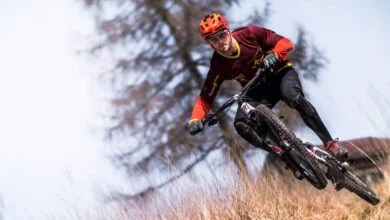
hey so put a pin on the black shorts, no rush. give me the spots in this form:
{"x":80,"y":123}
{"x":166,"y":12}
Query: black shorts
{"x":284,"y":85}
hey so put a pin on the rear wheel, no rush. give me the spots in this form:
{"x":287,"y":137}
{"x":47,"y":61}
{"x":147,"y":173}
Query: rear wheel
{"x":298,"y":154}
{"x":346,"y":179}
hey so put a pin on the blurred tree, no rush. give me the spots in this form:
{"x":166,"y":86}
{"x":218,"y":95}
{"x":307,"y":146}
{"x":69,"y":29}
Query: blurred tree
{"x":160,"y":63}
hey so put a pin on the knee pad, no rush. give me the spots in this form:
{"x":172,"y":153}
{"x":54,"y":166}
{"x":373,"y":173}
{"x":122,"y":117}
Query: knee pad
{"x":292,"y":98}
{"x":302,"y":105}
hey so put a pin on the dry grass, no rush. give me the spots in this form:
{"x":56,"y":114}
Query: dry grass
{"x":267,"y":198}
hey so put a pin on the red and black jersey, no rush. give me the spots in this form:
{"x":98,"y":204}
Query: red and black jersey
{"x":253,"y":42}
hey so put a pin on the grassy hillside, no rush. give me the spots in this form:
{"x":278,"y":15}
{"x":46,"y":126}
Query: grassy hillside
{"x":267,"y":198}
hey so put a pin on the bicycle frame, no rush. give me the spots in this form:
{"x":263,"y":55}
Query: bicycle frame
{"x":211,"y":119}
{"x":316,"y":151}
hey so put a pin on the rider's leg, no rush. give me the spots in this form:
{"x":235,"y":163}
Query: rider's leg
{"x":291,"y":92}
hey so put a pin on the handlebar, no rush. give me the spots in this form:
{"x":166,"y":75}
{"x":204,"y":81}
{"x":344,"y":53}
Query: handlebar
{"x":213,"y":118}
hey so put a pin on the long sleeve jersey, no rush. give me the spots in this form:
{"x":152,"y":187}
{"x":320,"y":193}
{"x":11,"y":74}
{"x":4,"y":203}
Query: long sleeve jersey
{"x":253,"y":42}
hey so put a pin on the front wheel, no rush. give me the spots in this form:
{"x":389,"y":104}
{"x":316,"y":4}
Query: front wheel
{"x":311,"y":174}
{"x":298,"y":154}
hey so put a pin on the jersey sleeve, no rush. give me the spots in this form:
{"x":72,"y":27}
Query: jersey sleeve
{"x":269,"y":40}
{"x":207,"y":95}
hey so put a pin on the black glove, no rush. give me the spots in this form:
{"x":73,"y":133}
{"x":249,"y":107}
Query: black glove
{"x":270,"y":61}
{"x":195,"y":126}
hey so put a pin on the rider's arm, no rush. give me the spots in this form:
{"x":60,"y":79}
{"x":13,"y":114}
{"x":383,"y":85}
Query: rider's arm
{"x":207,"y":95}
{"x":201,"y":108}
{"x":270,"y":40}
{"x":282,"y":48}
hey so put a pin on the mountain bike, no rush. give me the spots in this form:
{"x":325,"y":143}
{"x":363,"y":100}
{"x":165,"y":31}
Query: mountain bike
{"x":280,"y":139}
{"x":313,"y":163}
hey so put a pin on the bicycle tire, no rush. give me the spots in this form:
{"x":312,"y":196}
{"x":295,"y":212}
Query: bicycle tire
{"x":354,"y":184}
{"x":301,"y":163}
{"x":319,"y":181}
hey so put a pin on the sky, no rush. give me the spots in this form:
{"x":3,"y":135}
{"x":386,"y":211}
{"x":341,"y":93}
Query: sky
{"x":353,"y":34}
{"x":50,"y":107}
{"x":48,"y":148}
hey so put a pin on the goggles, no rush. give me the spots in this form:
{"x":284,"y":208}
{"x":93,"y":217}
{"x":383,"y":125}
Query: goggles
{"x":223,"y":35}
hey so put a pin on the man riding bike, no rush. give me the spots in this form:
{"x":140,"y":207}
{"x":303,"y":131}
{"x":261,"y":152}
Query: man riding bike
{"x":237,"y":56}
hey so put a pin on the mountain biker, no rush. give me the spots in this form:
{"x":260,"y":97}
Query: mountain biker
{"x":237,"y":56}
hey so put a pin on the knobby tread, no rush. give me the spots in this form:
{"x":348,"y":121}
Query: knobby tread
{"x":273,"y":120}
{"x":362,"y":190}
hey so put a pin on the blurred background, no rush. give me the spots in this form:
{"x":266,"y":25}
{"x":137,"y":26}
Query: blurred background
{"x":96,"y":94}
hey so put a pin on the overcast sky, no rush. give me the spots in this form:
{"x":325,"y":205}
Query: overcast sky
{"x":49,"y":106}
{"x":47,"y":148}
{"x":354,"y":35}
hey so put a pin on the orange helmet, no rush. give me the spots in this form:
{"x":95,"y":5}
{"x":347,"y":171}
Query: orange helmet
{"x":212,"y":24}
